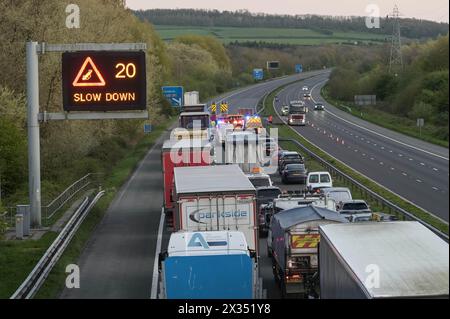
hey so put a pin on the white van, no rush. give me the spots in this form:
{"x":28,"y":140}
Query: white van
{"x":319,"y":180}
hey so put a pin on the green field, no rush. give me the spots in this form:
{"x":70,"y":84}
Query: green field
{"x":270,"y":35}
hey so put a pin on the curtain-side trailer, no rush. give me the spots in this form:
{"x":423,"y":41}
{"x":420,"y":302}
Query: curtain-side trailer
{"x":180,"y":153}
{"x":216,"y":198}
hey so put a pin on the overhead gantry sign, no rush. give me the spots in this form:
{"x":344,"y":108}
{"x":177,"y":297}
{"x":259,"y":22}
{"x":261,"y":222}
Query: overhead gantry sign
{"x":104,"y":81}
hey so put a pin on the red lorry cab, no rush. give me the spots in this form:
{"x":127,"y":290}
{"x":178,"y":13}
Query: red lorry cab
{"x":177,"y":153}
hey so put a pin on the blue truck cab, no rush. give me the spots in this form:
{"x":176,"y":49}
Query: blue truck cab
{"x":209,"y":265}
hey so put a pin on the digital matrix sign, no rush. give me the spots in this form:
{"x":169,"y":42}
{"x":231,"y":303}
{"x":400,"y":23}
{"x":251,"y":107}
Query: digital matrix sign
{"x":104,"y":81}
{"x":273,"y":64}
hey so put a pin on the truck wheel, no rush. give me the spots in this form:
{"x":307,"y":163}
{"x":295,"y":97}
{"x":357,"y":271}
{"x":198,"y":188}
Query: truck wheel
{"x":263,"y":233}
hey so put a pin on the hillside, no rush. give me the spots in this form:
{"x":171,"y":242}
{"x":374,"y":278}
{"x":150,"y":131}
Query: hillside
{"x":285,"y":36}
{"x":411,"y":28}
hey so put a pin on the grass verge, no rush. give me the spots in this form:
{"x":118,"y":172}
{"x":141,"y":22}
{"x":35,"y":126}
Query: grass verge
{"x":395,"y":123}
{"x":287,"y":132}
{"x":18,"y":258}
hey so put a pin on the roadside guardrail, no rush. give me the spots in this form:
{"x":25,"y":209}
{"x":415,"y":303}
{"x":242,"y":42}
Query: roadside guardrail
{"x":40,"y":272}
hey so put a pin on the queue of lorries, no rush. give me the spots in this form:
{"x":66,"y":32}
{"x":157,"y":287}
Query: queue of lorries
{"x":322,"y":242}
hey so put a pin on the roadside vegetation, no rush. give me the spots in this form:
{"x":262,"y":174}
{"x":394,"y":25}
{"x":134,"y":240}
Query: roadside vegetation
{"x":17,"y":258}
{"x":420,"y":90}
{"x":72,"y":149}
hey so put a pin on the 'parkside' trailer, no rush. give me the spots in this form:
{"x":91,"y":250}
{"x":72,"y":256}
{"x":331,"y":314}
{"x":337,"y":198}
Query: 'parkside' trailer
{"x":209,"y":265}
{"x":215,"y":198}
{"x":382,"y":260}
{"x":180,"y":153}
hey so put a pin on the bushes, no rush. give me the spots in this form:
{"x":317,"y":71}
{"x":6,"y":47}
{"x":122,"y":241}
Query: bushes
{"x":419,"y":91}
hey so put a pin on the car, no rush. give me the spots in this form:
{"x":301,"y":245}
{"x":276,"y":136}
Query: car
{"x":355,"y":210}
{"x":289,"y":158}
{"x":338,"y":194}
{"x":294,"y":173}
{"x":285,"y":110}
{"x":307,"y":96}
{"x":319,"y":107}
{"x":259,"y":180}
{"x":319,"y":180}
{"x":305,"y":88}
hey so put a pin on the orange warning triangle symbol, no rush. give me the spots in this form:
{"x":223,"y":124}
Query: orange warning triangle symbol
{"x":89,"y":75}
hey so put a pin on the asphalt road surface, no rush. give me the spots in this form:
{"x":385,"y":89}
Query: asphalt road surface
{"x":414,"y":169}
{"x":118,"y":260}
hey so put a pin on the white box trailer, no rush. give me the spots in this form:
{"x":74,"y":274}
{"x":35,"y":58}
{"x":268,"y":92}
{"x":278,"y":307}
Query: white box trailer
{"x":382,"y":260}
{"x":216,"y":198}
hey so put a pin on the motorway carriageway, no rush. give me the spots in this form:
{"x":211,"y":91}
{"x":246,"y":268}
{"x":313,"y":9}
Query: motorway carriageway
{"x":120,"y":259}
{"x":411,"y":168}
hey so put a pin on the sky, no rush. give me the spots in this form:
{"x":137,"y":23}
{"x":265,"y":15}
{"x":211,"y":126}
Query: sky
{"x":436,"y":10}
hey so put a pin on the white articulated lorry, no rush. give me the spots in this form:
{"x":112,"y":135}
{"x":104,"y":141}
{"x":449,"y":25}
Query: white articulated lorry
{"x":382,"y":260}
{"x":215,"y":198}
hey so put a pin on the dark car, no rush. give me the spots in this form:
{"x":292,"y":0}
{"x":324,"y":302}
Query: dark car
{"x":294,"y":173}
{"x":264,"y":198}
{"x":319,"y":107}
{"x":289,"y":158}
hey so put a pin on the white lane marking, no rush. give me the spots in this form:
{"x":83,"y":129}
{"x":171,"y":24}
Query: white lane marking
{"x":435,"y":188}
{"x":404,"y":174}
{"x":418,"y":181}
{"x":435,"y":169}
{"x":381,"y":163}
{"x":392,"y":169}
{"x":411,"y":159}
{"x":376,"y":133}
{"x":156,"y":261}
{"x":423,"y":164}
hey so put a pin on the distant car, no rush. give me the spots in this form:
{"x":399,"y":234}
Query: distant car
{"x":319,"y":180}
{"x":260,"y":180}
{"x":338,"y":194}
{"x":355,"y":210}
{"x":294,"y":173}
{"x":289,"y":158}
{"x":319,"y":107}
{"x":307,"y":96}
{"x":285,"y":110}
{"x":305,"y":88}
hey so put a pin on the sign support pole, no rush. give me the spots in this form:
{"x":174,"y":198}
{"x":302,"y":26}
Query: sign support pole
{"x":34,"y":162}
